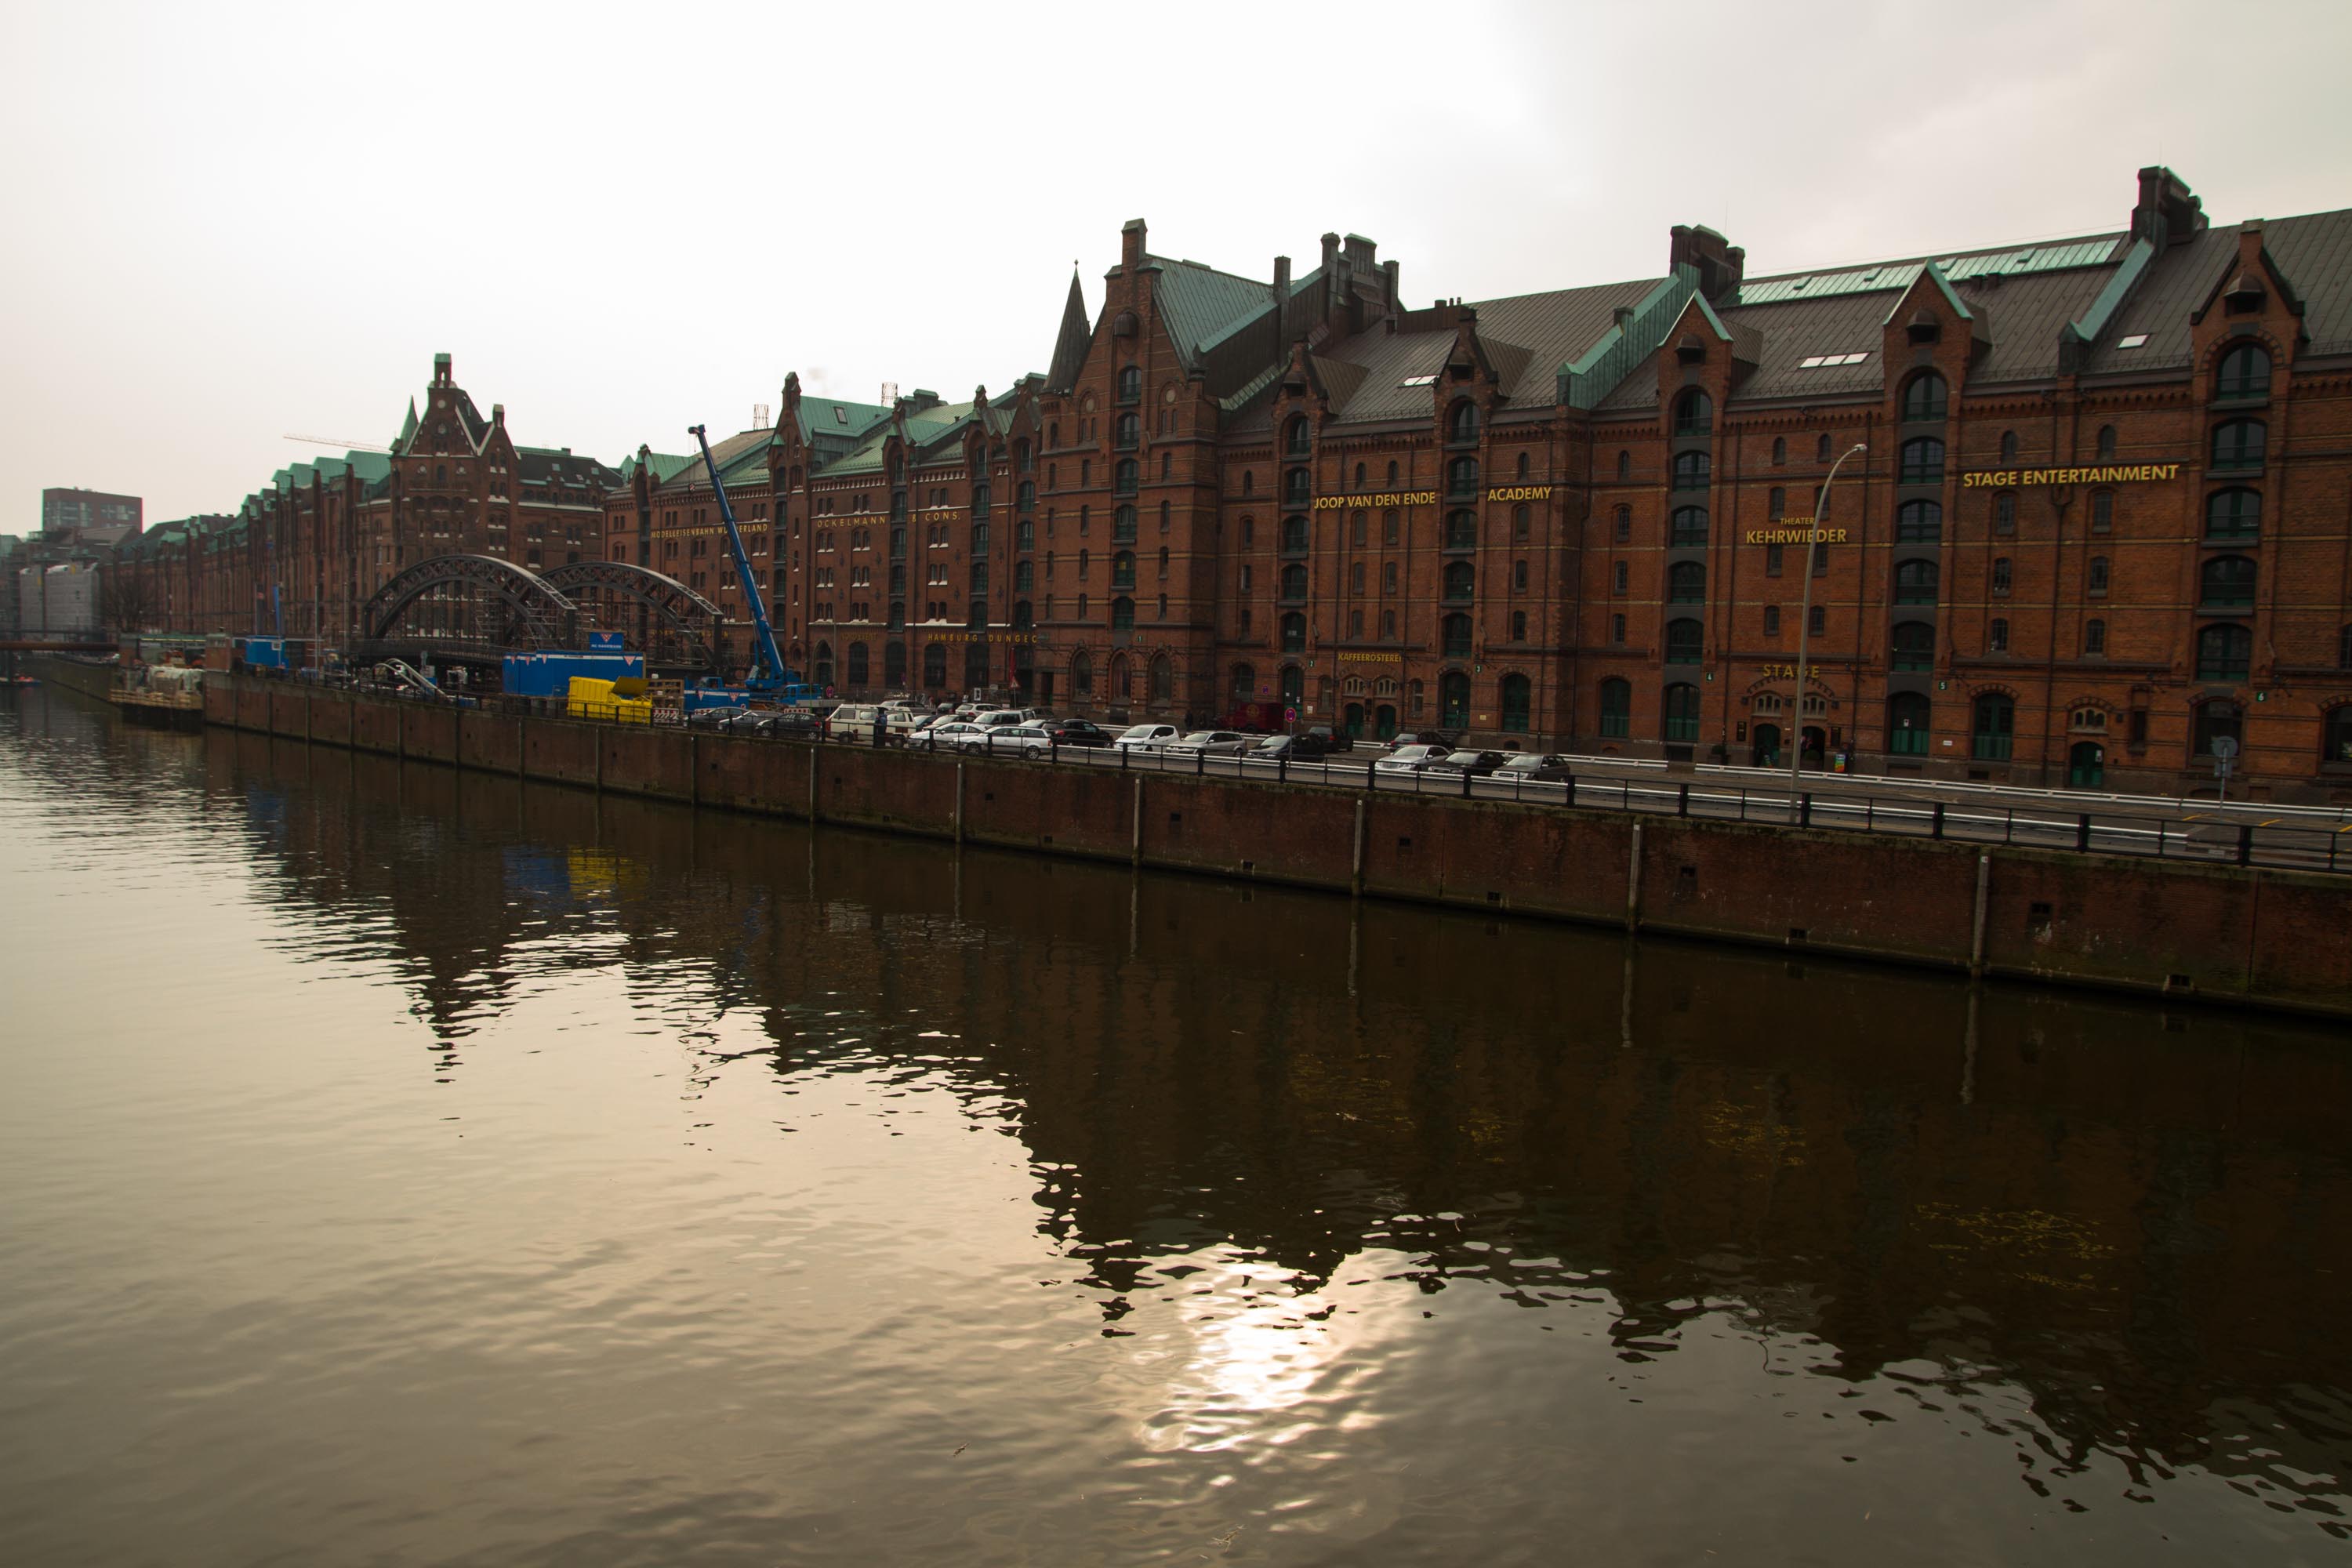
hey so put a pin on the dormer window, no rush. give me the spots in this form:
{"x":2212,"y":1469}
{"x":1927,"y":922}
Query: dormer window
{"x":1690,"y":351}
{"x":2245,"y":295}
{"x":1925,"y":327}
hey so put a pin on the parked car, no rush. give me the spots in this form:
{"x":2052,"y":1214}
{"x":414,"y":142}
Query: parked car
{"x":1410,"y":758}
{"x":1211,"y":743}
{"x":950,"y":735}
{"x":1534,"y":765}
{"x":1307,"y":748}
{"x":1331,"y":740}
{"x":710,"y":717}
{"x":997,"y":717}
{"x":1016,"y":740}
{"x":1477,"y":765}
{"x":1416,"y":738}
{"x":852,"y":721}
{"x":1147,"y":737}
{"x":1076,"y":732}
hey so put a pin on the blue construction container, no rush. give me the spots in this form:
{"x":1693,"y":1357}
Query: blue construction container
{"x":550,"y":674}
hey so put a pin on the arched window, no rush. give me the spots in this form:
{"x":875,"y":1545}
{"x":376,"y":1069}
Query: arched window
{"x":1163,"y":677}
{"x":1244,"y":682}
{"x":1293,"y":585}
{"x":2224,"y":652}
{"x":1164,"y":564}
{"x":2095,"y":576}
{"x":1776,"y":505}
{"x":1687,"y":529}
{"x":824,"y":664}
{"x":1691,"y":470}
{"x":2233,"y":513}
{"x":934,"y":665}
{"x":1296,"y":437}
{"x":1461,"y":529}
{"x":1925,"y":397}
{"x":1780,"y":450}
{"x":1912,"y":646}
{"x":1297,"y":487}
{"x":1453,"y":636}
{"x":1462,"y":476}
{"x":1462,"y":421}
{"x":1519,"y":694}
{"x":1294,"y":686}
{"x":2106,"y":443}
{"x":1523,"y":465}
{"x":1519,"y":519}
{"x":1122,"y":614}
{"x":1122,"y":569}
{"x":1461,"y":580}
{"x":2007,"y":446}
{"x":1922,"y":461}
{"x":2238,"y":444}
{"x":1693,"y":414}
{"x":1821,"y":448}
{"x":1127,"y":432}
{"x":1919,"y":522}
{"x":1994,"y":722}
{"x":2336,"y":735}
{"x":1687,"y":583}
{"x":1392,"y":473}
{"x":1294,"y":535}
{"x":1907,"y":724}
{"x":1682,"y":711}
{"x":2246,"y":372}
{"x":1916,"y":582}
{"x":1624,"y":524}
{"x":1616,"y":707}
{"x":1024,"y":617}
{"x":1624,"y":466}
{"x":2214,"y":721}
{"x":1293,"y":632}
{"x":1685,"y":641}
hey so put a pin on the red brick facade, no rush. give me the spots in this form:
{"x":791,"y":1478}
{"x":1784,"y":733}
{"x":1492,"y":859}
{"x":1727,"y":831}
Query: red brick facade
{"x":2101,"y":519}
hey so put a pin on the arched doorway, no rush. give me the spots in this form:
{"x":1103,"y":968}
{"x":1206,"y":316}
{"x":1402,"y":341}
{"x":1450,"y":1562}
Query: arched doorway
{"x":1816,"y":744}
{"x":2086,"y":765}
{"x":1453,"y":701}
{"x":1384,"y":721}
{"x":1352,"y":720}
{"x":1767,"y":753}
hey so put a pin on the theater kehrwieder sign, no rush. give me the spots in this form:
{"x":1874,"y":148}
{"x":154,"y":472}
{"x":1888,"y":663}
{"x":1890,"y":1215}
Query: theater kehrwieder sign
{"x":2022,"y":479}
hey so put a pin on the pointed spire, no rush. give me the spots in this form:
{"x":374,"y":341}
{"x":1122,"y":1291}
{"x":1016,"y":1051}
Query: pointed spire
{"x":408,"y":430}
{"x":1070,"y":347}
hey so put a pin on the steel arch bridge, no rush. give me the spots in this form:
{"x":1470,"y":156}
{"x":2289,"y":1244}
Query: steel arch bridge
{"x":474,"y":599}
{"x":675,"y":626}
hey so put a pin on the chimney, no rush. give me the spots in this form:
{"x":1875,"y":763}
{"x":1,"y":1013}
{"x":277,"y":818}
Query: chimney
{"x":1331,"y":252}
{"x":498,"y":414}
{"x":1281,"y":281}
{"x":2169,"y":213}
{"x":1360,"y":253}
{"x":1720,"y":266}
{"x":1130,"y":245}
{"x":1388,"y":288}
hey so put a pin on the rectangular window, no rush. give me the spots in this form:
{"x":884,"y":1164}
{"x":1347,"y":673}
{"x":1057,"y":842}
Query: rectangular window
{"x":1818,"y":623}
{"x":1821,"y":560}
{"x":1245,"y":577}
{"x":1389,"y":578}
{"x":1773,"y":560}
{"x":2103,"y":511}
{"x":1617,"y":579}
{"x":2000,"y":575}
{"x":1617,"y":630}
{"x":1519,"y":576}
{"x":1997,"y":636}
{"x":1771,"y":620}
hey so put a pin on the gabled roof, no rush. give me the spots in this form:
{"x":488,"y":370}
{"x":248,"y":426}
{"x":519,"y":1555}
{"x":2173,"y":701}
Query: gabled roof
{"x":729,"y":454}
{"x":1200,"y":304}
{"x":663,"y":463}
{"x":553,"y":466}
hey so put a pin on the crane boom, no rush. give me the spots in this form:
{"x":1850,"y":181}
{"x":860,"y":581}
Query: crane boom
{"x":771,"y":675}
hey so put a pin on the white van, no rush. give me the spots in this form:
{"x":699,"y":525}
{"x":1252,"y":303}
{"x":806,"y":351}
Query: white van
{"x":998,"y":718}
{"x":854,"y":722}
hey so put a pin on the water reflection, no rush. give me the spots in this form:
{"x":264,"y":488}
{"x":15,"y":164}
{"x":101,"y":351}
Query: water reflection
{"x":1330,"y":1233}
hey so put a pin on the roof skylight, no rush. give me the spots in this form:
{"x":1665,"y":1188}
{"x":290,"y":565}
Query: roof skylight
{"x":1822,"y":361}
{"x":2133,"y":342}
{"x":1429,"y":380}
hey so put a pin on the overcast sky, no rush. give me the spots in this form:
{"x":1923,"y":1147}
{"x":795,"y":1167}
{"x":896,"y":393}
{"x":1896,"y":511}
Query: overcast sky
{"x":230,"y":222}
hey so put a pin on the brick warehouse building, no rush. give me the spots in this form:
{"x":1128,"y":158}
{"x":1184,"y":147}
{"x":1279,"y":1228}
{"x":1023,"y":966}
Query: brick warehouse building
{"x":2103,"y":518}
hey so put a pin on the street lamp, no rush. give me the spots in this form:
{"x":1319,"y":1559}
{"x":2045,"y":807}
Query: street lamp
{"x":1805,"y":622}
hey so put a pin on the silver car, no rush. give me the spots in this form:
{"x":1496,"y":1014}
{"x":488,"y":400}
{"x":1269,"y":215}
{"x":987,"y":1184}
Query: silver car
{"x":1410,"y":759}
{"x":1210,"y":742}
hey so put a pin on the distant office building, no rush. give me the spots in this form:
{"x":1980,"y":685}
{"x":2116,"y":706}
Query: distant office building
{"x":70,"y":511}
{"x":62,"y":599}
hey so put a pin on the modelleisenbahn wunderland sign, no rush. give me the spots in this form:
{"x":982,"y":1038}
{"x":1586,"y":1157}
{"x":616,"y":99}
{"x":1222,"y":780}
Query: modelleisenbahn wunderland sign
{"x":2020,"y":478}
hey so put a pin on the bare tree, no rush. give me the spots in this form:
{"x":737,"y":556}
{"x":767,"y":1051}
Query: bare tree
{"x":126,"y":601}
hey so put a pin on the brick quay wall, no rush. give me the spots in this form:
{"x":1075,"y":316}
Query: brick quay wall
{"x":2273,"y":938}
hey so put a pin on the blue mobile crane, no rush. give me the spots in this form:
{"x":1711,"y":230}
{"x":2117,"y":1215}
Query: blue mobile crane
{"x":768,"y":681}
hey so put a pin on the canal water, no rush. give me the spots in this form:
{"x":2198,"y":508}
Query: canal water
{"x":404,"y":1166}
